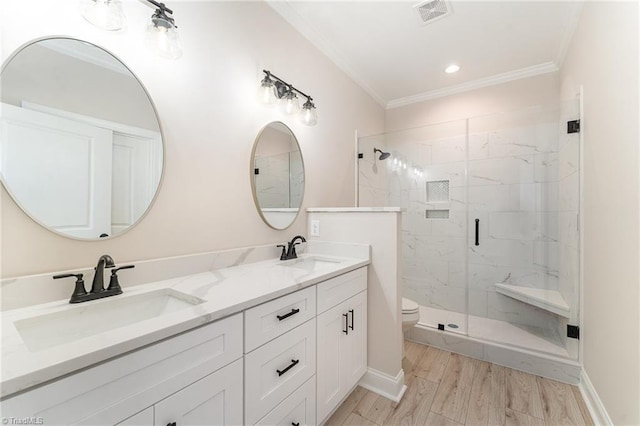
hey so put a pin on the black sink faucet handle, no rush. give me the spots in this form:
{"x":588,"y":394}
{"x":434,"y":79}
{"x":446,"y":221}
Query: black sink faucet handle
{"x":79,"y":289}
{"x":283,"y":255}
{"x":114,"y":284}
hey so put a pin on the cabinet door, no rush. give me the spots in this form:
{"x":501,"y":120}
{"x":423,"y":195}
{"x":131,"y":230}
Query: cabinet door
{"x":354,"y":352}
{"x":213,"y":400}
{"x":342,"y":347}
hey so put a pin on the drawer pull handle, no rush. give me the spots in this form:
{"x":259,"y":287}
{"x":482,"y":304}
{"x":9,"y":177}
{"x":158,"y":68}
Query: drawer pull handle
{"x":351,"y":312}
{"x":294,"y":362}
{"x":293,"y":312}
{"x":295,"y":424}
{"x":346,"y":324}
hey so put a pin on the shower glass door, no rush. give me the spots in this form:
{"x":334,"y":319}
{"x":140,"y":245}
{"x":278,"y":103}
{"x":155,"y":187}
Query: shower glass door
{"x":519,"y":180}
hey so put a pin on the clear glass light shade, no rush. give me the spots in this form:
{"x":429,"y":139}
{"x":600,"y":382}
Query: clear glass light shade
{"x":105,"y":14}
{"x":309,"y":115}
{"x":290,"y":104}
{"x":267,"y":93}
{"x":163,"y":39}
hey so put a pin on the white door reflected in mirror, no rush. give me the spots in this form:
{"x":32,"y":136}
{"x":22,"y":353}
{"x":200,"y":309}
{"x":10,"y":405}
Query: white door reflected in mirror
{"x":81,"y":150}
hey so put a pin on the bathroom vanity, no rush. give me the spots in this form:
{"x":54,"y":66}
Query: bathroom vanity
{"x":268,"y":342}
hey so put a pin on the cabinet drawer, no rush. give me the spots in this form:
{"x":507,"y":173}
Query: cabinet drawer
{"x":272,"y":319}
{"x":276,"y":369}
{"x":143,"y":418}
{"x":119,"y":388}
{"x":340,"y":288}
{"x":299,"y":408}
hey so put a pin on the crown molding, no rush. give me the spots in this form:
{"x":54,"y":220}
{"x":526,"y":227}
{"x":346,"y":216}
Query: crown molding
{"x":306,"y":30}
{"x":88,"y":53}
{"x":534,"y":70}
{"x":570,"y":29}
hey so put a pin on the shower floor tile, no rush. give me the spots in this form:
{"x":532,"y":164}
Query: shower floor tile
{"x":537,"y":339}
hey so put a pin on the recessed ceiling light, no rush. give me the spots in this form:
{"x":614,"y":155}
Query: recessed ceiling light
{"x":452,"y":68}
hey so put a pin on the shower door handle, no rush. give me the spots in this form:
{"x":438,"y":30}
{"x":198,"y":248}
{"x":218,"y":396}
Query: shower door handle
{"x":477,"y":232}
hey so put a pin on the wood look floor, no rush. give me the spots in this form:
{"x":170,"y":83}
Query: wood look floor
{"x":448,"y":389}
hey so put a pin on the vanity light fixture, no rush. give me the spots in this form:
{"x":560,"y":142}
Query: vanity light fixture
{"x":105,"y":14}
{"x":273,"y":89}
{"x":162,"y":35}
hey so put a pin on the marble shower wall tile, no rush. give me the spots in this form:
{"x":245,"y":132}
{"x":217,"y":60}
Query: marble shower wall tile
{"x":502,"y":171}
{"x":373,"y":181}
{"x":513,"y":225}
{"x":546,"y":167}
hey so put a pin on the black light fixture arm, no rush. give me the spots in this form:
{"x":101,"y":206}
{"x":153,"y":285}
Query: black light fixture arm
{"x":161,"y":6}
{"x":162,"y":14}
{"x":269,"y":74}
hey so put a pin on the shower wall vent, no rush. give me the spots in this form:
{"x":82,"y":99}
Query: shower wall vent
{"x":432,"y":10}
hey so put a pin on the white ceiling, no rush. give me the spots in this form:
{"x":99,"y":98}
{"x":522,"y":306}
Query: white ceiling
{"x":384,"y":47}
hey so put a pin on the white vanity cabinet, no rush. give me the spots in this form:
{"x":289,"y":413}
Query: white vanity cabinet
{"x":123,"y":389}
{"x":288,"y":361}
{"x":342,"y":339}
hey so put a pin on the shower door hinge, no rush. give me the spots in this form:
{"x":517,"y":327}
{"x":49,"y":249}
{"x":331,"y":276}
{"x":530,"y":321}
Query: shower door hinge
{"x":573,"y":331}
{"x":360,"y":155}
{"x":573,"y":126}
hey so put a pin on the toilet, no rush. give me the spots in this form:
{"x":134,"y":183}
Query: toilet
{"x":410,"y":314}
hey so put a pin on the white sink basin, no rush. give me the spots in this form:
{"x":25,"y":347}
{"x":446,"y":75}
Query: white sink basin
{"x":310,"y":263}
{"x":92,"y":318}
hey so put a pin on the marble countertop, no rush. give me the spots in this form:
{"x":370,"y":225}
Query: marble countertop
{"x":223,"y":292}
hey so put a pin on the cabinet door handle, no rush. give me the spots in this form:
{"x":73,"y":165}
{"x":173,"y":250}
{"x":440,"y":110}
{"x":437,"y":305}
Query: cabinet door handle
{"x":346,"y":324}
{"x":294,"y":362}
{"x":351,"y":312}
{"x":172,"y":424}
{"x":295,"y":424}
{"x":477,"y":232}
{"x":293,"y":312}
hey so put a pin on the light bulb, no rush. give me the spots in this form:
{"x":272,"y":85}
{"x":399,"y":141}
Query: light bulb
{"x":308,"y":115}
{"x":162,"y":36}
{"x":290,"y":103}
{"x":105,"y":14}
{"x":267,"y":92}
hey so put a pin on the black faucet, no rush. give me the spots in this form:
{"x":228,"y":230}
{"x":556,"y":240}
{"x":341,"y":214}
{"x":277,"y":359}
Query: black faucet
{"x":97,"y":286}
{"x":105,"y":261}
{"x":290,"y":253}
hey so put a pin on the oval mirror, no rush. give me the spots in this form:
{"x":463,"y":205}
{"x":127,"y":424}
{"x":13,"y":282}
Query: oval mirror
{"x":277,"y":175}
{"x":81,"y":149}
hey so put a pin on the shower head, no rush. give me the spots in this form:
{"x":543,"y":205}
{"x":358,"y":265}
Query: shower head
{"x":383,"y":155}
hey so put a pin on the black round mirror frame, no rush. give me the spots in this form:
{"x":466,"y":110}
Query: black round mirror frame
{"x":252,"y":174}
{"x":8,"y":61}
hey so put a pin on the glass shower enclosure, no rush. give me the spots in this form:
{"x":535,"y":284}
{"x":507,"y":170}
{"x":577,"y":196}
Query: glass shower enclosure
{"x":490,"y":223}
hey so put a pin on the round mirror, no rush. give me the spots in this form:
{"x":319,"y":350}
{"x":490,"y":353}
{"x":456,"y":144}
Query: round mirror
{"x":81,"y":148}
{"x":277,"y":175}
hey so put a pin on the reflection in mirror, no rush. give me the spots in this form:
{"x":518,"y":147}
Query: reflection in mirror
{"x":278,"y":175}
{"x":81,"y":149}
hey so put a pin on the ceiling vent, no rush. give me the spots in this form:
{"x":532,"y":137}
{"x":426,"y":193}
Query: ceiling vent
{"x":432,"y":10}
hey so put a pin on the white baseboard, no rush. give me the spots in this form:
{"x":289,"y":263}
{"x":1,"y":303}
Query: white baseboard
{"x":592,"y":400}
{"x":390,"y":387}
